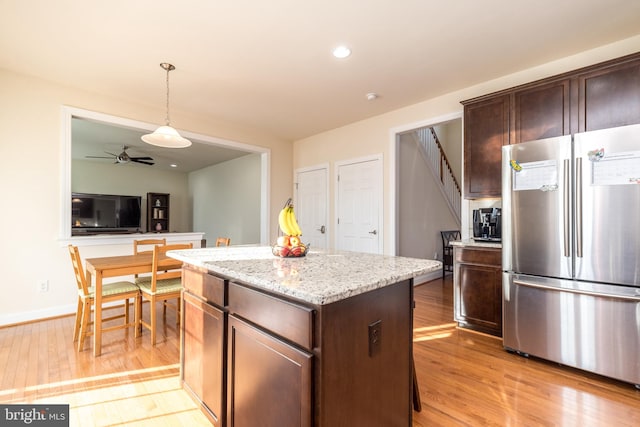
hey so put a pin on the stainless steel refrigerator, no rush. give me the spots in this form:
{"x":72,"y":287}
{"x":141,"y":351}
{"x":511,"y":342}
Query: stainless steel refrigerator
{"x":571,"y":250}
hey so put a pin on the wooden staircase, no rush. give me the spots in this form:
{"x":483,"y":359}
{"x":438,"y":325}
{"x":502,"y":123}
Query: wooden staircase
{"x":433,"y":154}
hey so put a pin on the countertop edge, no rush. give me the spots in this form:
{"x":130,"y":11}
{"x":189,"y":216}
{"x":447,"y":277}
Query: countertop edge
{"x":329,"y":290}
{"x":472,"y":243}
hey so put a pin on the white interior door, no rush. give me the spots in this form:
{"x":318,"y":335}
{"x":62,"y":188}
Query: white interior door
{"x":359,"y":205}
{"x":311,"y":204}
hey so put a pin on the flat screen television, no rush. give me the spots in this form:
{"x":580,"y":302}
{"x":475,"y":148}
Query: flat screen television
{"x":104,"y":213}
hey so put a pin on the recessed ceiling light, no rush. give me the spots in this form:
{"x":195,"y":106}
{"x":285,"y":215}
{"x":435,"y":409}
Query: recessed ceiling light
{"x":341,"y":52}
{"x":173,"y":165}
{"x":372,"y":96}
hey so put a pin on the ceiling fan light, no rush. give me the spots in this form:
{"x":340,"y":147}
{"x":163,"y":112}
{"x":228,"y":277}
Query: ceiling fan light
{"x":166,"y":136}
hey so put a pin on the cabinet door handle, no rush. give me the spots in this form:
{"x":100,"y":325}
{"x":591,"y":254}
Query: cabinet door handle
{"x":578,"y":199}
{"x":322,"y":229}
{"x":374,"y":232}
{"x":566,"y":205}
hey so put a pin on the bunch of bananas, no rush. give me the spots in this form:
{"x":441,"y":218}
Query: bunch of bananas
{"x":289,"y":244}
{"x":287,"y":220}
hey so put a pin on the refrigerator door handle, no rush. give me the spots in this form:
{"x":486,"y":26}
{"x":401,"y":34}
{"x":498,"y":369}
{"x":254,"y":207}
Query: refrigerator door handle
{"x":576,"y":291}
{"x":579,"y":207}
{"x":566,"y":206}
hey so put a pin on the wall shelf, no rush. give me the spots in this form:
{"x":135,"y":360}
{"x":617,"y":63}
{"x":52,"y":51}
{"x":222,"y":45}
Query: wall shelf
{"x":158,"y":212}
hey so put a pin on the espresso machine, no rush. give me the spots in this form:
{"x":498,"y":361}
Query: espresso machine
{"x":487,"y":224}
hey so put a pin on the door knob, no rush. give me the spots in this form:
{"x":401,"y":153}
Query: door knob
{"x":374,"y":232}
{"x":322,"y":229}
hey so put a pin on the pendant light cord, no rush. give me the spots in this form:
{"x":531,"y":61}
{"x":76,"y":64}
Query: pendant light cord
{"x":167,"y":67}
{"x":167,"y":118}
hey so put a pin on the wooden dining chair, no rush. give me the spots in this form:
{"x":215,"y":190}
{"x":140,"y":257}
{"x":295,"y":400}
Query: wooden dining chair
{"x":223,"y":241}
{"x":118,"y":291}
{"x":162,"y":286}
{"x":141,"y":246}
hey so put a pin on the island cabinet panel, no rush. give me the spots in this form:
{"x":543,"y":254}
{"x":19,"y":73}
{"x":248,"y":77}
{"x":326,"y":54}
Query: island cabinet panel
{"x":292,"y":321}
{"x":486,"y":130}
{"x":477,"y":287}
{"x":269,"y":380}
{"x":204,"y":346}
{"x":210,"y":288}
{"x":363,"y":375}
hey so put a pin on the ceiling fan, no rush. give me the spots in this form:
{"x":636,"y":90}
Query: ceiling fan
{"x":124,"y":157}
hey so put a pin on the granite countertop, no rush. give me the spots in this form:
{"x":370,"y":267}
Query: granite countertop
{"x":321,"y":277}
{"x":477,"y":244}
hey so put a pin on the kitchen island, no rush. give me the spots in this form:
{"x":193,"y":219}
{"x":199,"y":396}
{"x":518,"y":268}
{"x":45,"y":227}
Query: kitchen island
{"x":322,"y":340}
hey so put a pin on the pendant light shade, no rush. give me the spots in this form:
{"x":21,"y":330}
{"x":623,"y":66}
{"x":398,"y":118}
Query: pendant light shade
{"x":166,"y":136}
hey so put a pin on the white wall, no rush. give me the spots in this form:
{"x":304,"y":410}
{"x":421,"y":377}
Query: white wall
{"x":217,"y":209}
{"x":32,"y":177}
{"x":30,"y":146}
{"x":422,"y":209}
{"x":374,"y":135}
{"x":136,"y":180}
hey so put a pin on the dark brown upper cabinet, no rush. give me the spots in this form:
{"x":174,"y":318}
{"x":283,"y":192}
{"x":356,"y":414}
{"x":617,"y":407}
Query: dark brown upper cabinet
{"x":600,"y":96}
{"x":541,"y":112}
{"x":609,"y":97}
{"x":486,"y":130}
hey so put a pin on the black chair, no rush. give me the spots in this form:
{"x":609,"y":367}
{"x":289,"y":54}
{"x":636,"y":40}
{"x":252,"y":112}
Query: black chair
{"x":447,"y":250}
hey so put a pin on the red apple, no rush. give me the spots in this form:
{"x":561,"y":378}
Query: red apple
{"x":297,"y":250}
{"x":283,"y":251}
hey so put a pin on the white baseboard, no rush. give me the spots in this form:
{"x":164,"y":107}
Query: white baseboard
{"x":433,"y":275}
{"x":35,"y":315}
{"x":30,"y":316}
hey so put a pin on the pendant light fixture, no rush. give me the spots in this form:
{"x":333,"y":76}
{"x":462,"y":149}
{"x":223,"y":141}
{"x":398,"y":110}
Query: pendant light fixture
{"x":166,"y":136}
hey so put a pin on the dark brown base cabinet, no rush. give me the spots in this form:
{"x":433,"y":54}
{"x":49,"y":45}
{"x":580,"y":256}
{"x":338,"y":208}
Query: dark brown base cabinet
{"x":477,"y":287}
{"x":204,"y":343}
{"x":269,"y":380}
{"x":285,"y":363}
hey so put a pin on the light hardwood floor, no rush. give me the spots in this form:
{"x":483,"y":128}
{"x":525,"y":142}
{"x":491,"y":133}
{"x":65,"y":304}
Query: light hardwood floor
{"x":465,"y":378}
{"x":130,"y":384}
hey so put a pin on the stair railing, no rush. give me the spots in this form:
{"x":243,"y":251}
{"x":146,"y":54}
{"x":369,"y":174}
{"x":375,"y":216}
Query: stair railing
{"x":435,"y":156}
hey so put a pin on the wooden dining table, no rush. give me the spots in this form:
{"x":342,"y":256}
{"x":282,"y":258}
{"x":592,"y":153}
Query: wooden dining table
{"x":117,"y":266}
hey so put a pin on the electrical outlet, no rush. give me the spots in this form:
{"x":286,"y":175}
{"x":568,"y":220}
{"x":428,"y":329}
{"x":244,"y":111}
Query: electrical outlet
{"x":43,"y":286}
{"x":435,"y":255}
{"x":375,"y":337}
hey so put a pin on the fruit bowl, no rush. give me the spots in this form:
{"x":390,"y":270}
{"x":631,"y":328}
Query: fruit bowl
{"x":289,"y":252}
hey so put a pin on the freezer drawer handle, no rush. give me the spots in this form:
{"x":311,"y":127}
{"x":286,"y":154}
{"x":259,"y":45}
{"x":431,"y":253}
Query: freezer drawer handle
{"x":576,"y":291}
